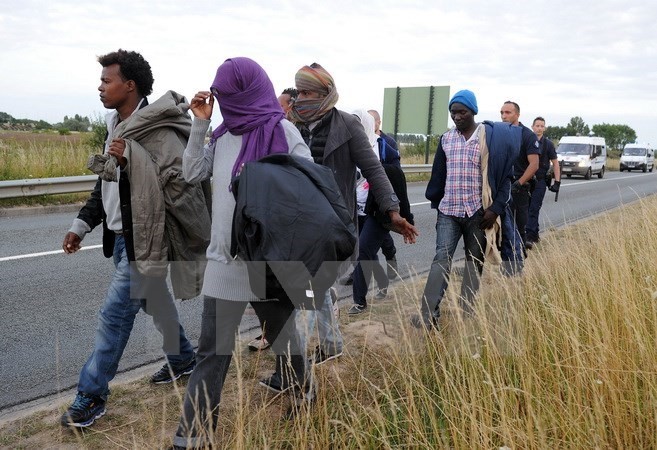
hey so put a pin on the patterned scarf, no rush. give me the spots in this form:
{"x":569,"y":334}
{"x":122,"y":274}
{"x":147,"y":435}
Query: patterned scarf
{"x":313,"y":78}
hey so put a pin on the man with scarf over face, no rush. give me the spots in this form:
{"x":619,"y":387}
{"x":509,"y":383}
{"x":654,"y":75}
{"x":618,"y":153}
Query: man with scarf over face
{"x":253,"y":126}
{"x":337,"y":140}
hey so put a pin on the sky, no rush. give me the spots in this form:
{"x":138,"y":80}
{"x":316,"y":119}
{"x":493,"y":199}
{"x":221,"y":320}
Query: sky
{"x":556,"y":59}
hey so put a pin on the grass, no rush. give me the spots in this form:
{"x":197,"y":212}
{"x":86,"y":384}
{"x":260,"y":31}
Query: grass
{"x":561,"y":357}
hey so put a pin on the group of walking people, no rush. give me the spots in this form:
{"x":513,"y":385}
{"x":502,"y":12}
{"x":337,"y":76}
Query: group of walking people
{"x":166,"y":200}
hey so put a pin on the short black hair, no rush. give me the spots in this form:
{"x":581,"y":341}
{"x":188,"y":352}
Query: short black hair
{"x":515,"y":105}
{"x":133,"y":67}
{"x":538,"y":118}
{"x":293,"y":93}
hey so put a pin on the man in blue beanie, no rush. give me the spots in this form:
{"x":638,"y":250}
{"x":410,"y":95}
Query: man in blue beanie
{"x":469,"y":188}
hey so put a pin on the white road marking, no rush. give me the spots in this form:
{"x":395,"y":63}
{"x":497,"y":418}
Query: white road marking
{"x":36,"y":255}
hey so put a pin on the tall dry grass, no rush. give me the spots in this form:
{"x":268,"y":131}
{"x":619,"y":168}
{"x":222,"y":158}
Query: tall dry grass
{"x":42,"y":155}
{"x":564,"y":356}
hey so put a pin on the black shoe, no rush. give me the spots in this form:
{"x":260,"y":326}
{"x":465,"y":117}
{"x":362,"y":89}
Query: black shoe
{"x":302,"y":399}
{"x":392,"y":268}
{"x":529,"y":245}
{"x":381,"y":294}
{"x":84,"y":411}
{"x":275,"y":384}
{"x":167,"y":373}
{"x":319,"y":357}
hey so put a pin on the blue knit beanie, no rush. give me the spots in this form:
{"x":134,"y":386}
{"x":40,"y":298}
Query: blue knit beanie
{"x":467,"y":98}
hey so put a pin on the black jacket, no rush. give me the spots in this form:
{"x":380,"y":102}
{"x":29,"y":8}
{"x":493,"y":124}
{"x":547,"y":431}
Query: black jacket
{"x":291,"y":216}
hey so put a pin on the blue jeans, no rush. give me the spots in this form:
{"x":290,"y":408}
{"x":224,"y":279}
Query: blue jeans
{"x":129,"y":292}
{"x":449,"y":230}
{"x":330,"y":337}
{"x":535,"y":204}
{"x":369,"y":242}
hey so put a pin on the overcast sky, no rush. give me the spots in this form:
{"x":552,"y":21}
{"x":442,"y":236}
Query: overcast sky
{"x":557,"y":59}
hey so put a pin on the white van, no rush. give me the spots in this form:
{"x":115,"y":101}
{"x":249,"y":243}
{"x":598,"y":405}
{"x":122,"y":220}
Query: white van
{"x":637,"y":157}
{"x":582,"y":155}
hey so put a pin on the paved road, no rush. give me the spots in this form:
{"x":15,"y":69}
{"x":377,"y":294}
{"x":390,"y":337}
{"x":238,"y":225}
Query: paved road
{"x":49,"y":302}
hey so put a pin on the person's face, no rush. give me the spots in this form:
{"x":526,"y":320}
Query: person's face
{"x":114,"y":91}
{"x":286,"y":102}
{"x":462,"y":116}
{"x":539,"y":128}
{"x":377,"y":122}
{"x":307,"y":95}
{"x":509,"y":114}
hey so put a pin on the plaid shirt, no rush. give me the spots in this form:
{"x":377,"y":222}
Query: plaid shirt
{"x":463,"y":184}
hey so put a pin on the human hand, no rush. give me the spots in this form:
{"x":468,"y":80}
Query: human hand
{"x":400,"y":225}
{"x":488,"y":220}
{"x":555,"y":186}
{"x":516,"y":187}
{"x":116,"y":149}
{"x":71,"y":242}
{"x":202,"y":104}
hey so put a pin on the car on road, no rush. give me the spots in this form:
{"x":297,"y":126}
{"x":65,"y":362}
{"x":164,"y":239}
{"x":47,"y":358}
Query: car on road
{"x":637,"y":157}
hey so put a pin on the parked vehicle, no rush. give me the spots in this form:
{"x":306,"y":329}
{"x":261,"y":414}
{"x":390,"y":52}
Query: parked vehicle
{"x":582,"y":155}
{"x":637,"y":157}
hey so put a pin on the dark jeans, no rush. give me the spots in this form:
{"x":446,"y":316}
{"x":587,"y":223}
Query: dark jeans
{"x":511,"y":247}
{"x":219,"y":324}
{"x":535,"y":204}
{"x":369,"y":242}
{"x":449,"y":230}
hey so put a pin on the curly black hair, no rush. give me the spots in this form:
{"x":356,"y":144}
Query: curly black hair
{"x":292,"y":92}
{"x":133,"y":67}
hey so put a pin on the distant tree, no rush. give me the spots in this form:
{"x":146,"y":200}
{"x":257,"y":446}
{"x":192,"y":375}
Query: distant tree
{"x":616,"y":136}
{"x":577,"y":127}
{"x":555,"y":133}
{"x":96,"y":139}
{"x":75,"y":123}
{"x":4,"y":117}
{"x":43,"y":125}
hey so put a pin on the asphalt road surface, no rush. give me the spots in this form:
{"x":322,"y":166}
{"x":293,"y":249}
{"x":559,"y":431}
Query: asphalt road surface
{"x":49,"y":300}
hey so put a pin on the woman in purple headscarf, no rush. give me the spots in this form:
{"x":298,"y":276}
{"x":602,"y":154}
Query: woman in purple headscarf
{"x":253,"y":126}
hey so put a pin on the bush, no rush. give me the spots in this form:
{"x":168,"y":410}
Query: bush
{"x":64,"y":131}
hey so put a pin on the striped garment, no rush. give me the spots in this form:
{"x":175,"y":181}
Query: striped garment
{"x":463,"y":184}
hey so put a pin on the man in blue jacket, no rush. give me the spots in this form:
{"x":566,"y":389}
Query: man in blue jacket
{"x":469,"y":186}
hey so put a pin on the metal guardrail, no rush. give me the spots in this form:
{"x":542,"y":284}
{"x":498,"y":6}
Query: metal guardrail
{"x":85,"y":183}
{"x":47,"y":186}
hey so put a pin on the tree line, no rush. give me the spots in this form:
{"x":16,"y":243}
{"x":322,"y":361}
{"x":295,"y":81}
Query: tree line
{"x":75,"y":123}
{"x":616,"y":136}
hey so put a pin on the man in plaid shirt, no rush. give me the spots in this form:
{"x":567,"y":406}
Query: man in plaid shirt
{"x":460,"y":177}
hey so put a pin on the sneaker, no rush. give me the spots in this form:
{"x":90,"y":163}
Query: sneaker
{"x":84,"y":411}
{"x":258,"y":344}
{"x":392,"y":268}
{"x":167,"y":373}
{"x":319,"y":357}
{"x":529,"y":245}
{"x":275,"y":384}
{"x":381,"y":294}
{"x":356,"y":309}
{"x":334,"y":300}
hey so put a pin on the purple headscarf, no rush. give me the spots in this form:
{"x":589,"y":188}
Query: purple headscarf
{"x":249,"y":107}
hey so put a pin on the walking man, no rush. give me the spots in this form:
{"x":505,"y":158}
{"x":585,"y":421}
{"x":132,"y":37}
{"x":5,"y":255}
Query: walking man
{"x":143,"y":151}
{"x":548,"y":155}
{"x":469,"y":188}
